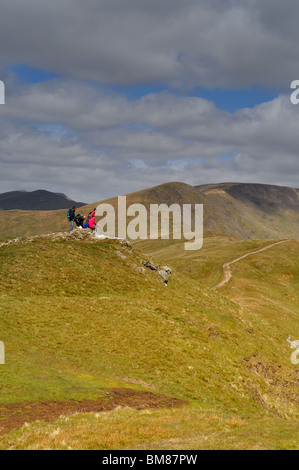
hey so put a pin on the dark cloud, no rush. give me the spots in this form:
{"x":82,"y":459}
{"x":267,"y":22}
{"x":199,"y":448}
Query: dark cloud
{"x":73,"y":135}
{"x":182,"y":44}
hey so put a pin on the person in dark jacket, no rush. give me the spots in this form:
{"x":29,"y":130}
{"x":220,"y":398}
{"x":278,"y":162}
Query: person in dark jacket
{"x":72,"y":217}
{"x":79,"y":219}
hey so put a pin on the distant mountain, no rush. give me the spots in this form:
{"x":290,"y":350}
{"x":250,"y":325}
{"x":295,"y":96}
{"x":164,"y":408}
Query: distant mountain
{"x":238,"y":210}
{"x":36,"y":201}
{"x":251,"y":210}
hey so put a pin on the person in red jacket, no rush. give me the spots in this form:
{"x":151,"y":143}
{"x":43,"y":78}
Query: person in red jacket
{"x":92,"y":223}
{"x":92,"y":214}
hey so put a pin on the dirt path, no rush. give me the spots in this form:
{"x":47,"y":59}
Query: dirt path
{"x":227,"y":266}
{"x":13,"y":416}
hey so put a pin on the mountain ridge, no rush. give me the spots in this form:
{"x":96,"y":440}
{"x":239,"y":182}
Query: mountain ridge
{"x":35,"y":200}
{"x":238,"y":210}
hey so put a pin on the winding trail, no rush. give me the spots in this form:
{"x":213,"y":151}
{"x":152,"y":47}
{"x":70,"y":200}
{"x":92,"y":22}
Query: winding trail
{"x":227,"y":266}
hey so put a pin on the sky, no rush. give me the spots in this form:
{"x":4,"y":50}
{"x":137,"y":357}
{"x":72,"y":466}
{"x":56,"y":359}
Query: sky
{"x":107,"y":97}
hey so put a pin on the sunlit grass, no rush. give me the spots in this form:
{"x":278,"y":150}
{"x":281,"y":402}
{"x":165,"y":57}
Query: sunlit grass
{"x":178,"y":429}
{"x":76,"y":318}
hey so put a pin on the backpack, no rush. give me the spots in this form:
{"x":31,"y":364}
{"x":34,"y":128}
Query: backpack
{"x":69,"y":213}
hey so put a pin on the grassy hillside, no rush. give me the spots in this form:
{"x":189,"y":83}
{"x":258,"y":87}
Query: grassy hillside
{"x":252,"y":210}
{"x":204,"y":265}
{"x":236,"y":210}
{"x":77,"y":318}
{"x":17,"y":223}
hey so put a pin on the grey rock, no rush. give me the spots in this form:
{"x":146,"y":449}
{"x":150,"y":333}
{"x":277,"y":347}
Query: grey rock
{"x":149,"y":264}
{"x":165,"y":275}
{"x":121,"y":255}
{"x":167,"y":269}
{"x":126,"y":243}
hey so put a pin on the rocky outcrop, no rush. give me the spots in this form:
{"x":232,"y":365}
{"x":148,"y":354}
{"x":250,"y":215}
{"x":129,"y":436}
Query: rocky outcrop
{"x":149,"y":264}
{"x":163,"y":271}
{"x":126,"y":243}
{"x":76,"y":235}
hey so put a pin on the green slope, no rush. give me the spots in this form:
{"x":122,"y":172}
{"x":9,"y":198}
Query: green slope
{"x":76,"y":317}
{"x":236,"y":210}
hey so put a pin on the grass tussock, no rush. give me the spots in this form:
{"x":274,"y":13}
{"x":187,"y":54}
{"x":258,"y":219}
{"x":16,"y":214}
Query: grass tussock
{"x":163,"y":429}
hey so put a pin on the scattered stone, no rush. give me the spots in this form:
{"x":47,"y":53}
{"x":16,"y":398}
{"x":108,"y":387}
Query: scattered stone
{"x":165,"y":268}
{"x":126,"y":243}
{"x":121,"y":255}
{"x":165,"y":275}
{"x":75,"y":235}
{"x":163,"y":271}
{"x":149,"y":264}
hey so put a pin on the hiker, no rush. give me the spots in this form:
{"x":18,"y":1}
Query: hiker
{"x":92,"y":214}
{"x":71,"y":215}
{"x":92,"y":223}
{"x":79,"y":219}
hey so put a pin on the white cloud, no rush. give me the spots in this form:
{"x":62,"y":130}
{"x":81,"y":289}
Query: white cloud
{"x":107,"y":144}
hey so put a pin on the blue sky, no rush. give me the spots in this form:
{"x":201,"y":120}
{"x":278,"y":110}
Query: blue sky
{"x":231,"y":100}
{"x":27,"y":74}
{"x":225,"y":99}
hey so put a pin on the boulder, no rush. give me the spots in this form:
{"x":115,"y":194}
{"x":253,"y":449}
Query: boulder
{"x":165,"y":268}
{"x":165,"y":274}
{"x":149,"y":264}
{"x":126,"y":243}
